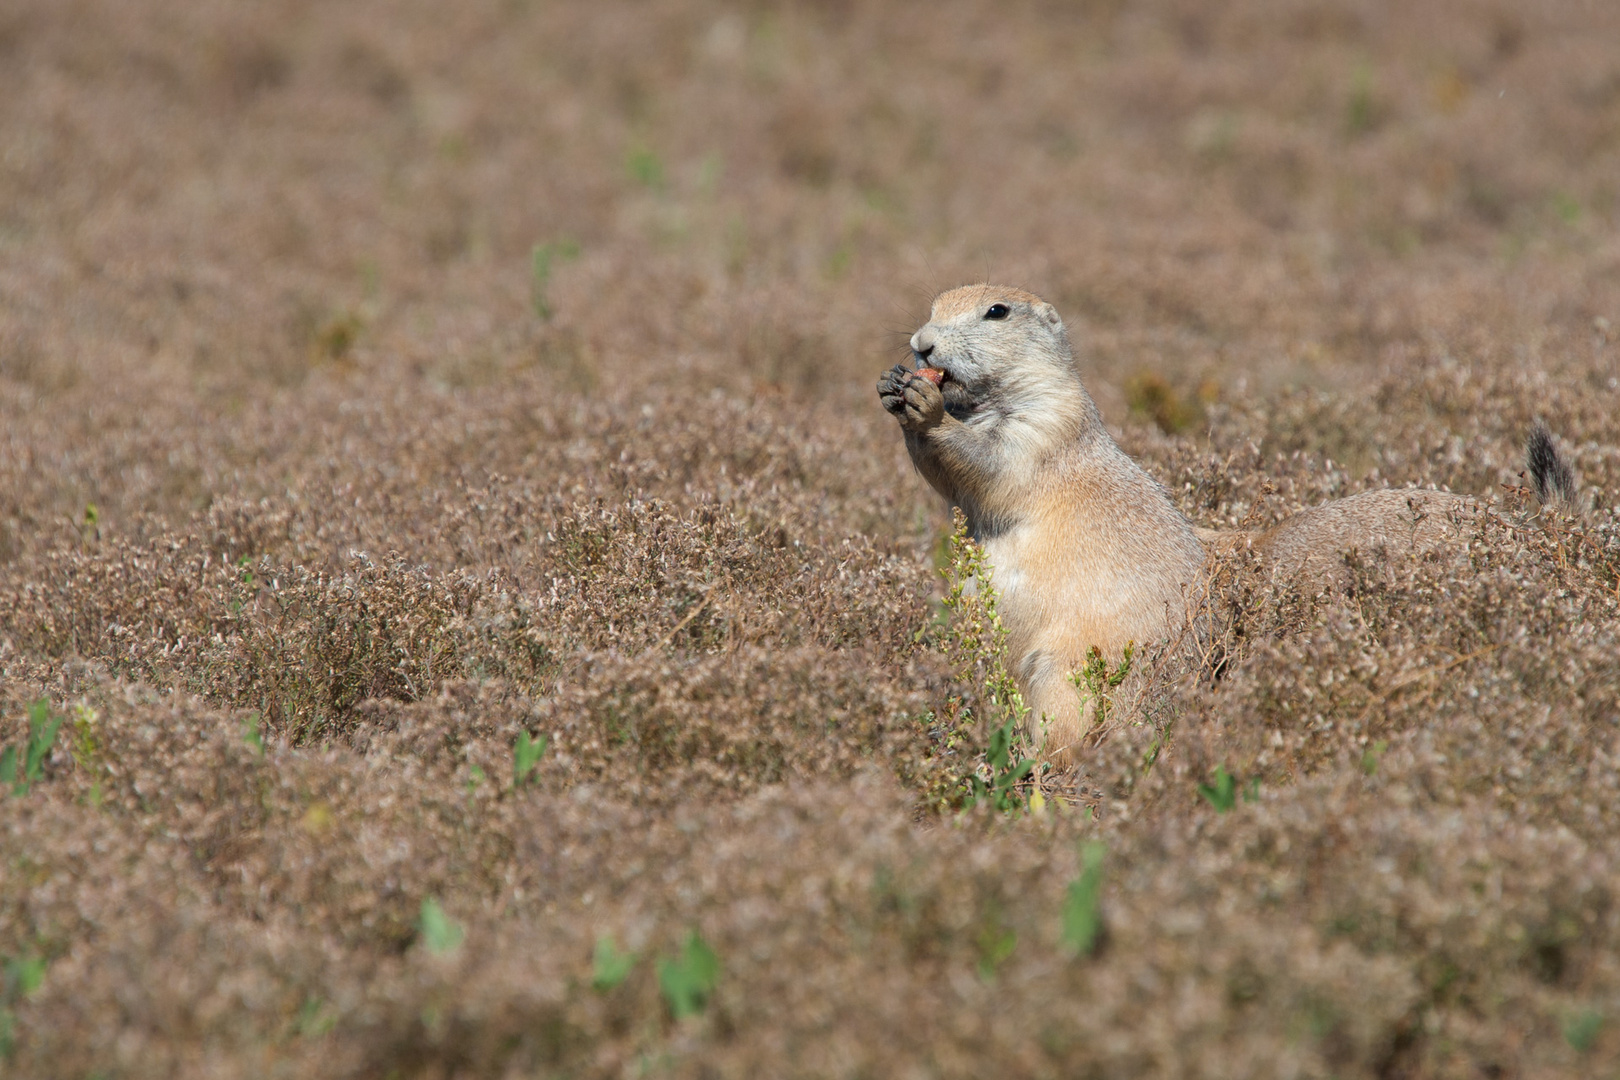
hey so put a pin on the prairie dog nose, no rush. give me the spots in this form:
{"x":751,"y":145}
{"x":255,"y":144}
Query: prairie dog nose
{"x":922,"y":342}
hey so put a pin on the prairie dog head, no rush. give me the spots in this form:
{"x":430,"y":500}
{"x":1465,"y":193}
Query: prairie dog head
{"x":1005,"y":355}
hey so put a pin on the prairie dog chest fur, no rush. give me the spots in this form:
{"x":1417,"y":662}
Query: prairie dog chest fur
{"x":1071,"y":576}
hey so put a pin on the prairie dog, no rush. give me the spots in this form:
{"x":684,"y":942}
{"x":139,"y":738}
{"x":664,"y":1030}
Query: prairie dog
{"x":1086,"y":548}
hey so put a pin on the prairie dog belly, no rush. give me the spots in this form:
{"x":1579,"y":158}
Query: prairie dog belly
{"x":1062,"y":594}
{"x":1016,"y":603}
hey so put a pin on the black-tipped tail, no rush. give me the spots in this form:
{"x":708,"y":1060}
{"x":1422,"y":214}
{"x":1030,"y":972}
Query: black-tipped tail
{"x":1550,"y":474}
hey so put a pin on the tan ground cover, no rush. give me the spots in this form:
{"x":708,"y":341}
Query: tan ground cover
{"x":384,"y":381}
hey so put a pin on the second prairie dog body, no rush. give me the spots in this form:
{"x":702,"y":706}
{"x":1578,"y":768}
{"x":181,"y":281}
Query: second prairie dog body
{"x":1086,"y":548}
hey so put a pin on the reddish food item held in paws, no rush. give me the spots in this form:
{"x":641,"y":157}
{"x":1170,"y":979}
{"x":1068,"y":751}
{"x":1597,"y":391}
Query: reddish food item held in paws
{"x":932,"y":374}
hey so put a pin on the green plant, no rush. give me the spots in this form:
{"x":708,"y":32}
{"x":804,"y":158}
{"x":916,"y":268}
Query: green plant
{"x":86,"y":748}
{"x":996,"y":942}
{"x":1006,"y":771}
{"x":1222,"y":794}
{"x":540,"y":259}
{"x":42,"y":727}
{"x":314,"y":1019}
{"x":336,"y":336}
{"x":24,"y":975}
{"x":689,"y":978}
{"x":526,"y":755}
{"x":976,"y":643}
{"x":1567,"y":207}
{"x":1096,"y":682}
{"x":252,"y":737}
{"x":1581,"y":1029}
{"x":609,"y":966}
{"x":645,"y":167}
{"x":439,"y":932}
{"x":1362,"y":112}
{"x":1370,"y":756}
{"x":21,"y":977}
{"x":86,"y":744}
{"x":1082,"y":904}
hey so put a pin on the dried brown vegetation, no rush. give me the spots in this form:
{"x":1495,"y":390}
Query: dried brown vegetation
{"x":382,"y":381}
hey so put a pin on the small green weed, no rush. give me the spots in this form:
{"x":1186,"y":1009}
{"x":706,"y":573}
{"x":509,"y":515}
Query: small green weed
{"x":996,"y":941}
{"x":87,"y":750}
{"x":86,"y":745}
{"x":1096,"y":682}
{"x":1362,"y":112}
{"x":540,"y":263}
{"x":21,"y":977}
{"x":24,"y":975}
{"x":1223,"y":793}
{"x":1581,"y":1029}
{"x":314,"y":1020}
{"x":526,"y":755}
{"x":335,"y":337}
{"x":1082,"y":905}
{"x":439,"y":932}
{"x":1370,"y":756}
{"x":1006,"y":771}
{"x":645,"y":167}
{"x":976,"y":644}
{"x":609,"y":966}
{"x":42,"y":728}
{"x":252,"y":736}
{"x":1566,"y":207}
{"x":687,"y":980}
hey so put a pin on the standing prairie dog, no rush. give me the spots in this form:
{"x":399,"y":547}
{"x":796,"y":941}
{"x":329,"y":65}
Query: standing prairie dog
{"x":1087,"y":549}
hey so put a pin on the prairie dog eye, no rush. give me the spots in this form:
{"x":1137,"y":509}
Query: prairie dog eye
{"x":997,"y":311}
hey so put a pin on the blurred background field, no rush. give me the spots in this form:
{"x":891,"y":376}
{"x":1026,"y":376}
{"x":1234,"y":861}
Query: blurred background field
{"x":383,"y":380}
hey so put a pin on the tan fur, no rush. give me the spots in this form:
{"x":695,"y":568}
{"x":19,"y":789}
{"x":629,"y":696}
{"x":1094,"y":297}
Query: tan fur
{"x":1086,"y":549}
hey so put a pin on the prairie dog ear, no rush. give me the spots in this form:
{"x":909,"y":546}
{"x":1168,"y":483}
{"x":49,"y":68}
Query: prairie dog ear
{"x":1048,"y":315}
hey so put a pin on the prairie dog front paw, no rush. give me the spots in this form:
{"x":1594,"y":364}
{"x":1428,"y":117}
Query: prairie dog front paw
{"x":891,"y":389}
{"x":924,"y":404}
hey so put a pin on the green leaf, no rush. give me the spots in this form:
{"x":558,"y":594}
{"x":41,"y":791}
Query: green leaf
{"x":996,"y":943}
{"x":644,"y":166}
{"x":526,"y":755}
{"x":251,"y":735}
{"x":1082,"y":906}
{"x":1222,"y":794}
{"x":8,"y":771}
{"x":1581,"y":1029}
{"x":440,"y":933}
{"x":609,"y":966}
{"x":314,"y":1020}
{"x":25,"y":974}
{"x":1370,"y":756}
{"x":42,"y":728}
{"x":687,"y":980}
